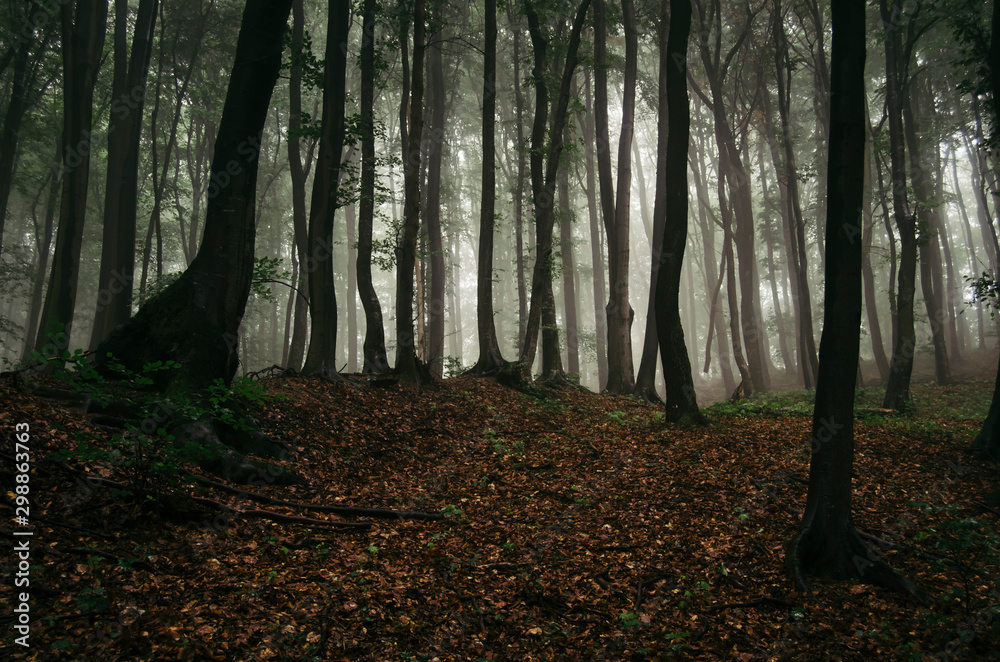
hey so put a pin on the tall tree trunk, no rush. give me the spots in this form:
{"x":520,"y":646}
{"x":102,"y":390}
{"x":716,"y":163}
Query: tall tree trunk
{"x":522,"y":288}
{"x":868,"y":276}
{"x":321,"y":357}
{"x":489,"y":360}
{"x":930,"y":252}
{"x":566,"y":218}
{"x":897,"y":390}
{"x":195,"y":320}
{"x":672,"y":205}
{"x":406,"y":251}
{"x":769,"y":241}
{"x":621,"y":378}
{"x":375,"y":359}
{"x":543,"y":176}
{"x":352,"y":290}
{"x":297,"y":345}
{"x":798,"y":267}
{"x":83,"y":29}
{"x":597,"y":262}
{"x":43,"y":243}
{"x":827,"y":544}
{"x":435,"y":150}
{"x":114,"y":298}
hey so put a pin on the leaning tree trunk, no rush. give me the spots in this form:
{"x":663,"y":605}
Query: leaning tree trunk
{"x":195,"y":321}
{"x":321,"y":357}
{"x":83,"y":42}
{"x":827,"y":544}
{"x":114,"y":298}
{"x":672,"y":207}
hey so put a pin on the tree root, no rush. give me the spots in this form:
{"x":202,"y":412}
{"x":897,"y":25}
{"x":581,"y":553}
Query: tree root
{"x":340,"y":510}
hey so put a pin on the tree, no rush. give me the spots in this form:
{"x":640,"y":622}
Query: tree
{"x":406,"y":249}
{"x":195,"y":320}
{"x":83,"y":29}
{"x":987,"y":442}
{"x":671,"y":209}
{"x":375,"y":359}
{"x":615,"y":208}
{"x":114,"y":296}
{"x":434,"y":340}
{"x":827,"y":544}
{"x":904,"y":345}
{"x":490,"y":359}
{"x":322,"y":294}
{"x":543,"y":183}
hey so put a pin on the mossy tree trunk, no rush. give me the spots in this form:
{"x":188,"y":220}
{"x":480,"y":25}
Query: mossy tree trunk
{"x":196,"y":319}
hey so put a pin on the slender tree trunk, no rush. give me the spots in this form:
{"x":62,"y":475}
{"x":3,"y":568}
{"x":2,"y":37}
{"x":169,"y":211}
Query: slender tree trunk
{"x":597,"y":262}
{"x":83,"y":30}
{"x":352,"y":291}
{"x":786,"y":356}
{"x":375,"y":359}
{"x":566,"y":218}
{"x":114,"y":298}
{"x":522,"y":288}
{"x":543,"y":176}
{"x":297,"y":345}
{"x":897,"y":390}
{"x":868,"y":276}
{"x":681,"y":401}
{"x":406,"y":251}
{"x":43,"y":244}
{"x":434,"y":342}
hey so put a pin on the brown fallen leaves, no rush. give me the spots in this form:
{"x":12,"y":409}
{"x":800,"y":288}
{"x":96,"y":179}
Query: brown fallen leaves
{"x":578,"y":527}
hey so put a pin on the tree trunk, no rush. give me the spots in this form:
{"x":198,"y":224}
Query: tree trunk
{"x":490,"y":360}
{"x":406,"y":251}
{"x":297,"y":345}
{"x":375,"y":359}
{"x":434,"y":344}
{"x":597,"y":262}
{"x":321,"y":357}
{"x":566,"y":219}
{"x":522,"y":288}
{"x":43,"y":242}
{"x":897,"y":390}
{"x":672,"y":207}
{"x":351,"y":216}
{"x":543,"y":176}
{"x":621,"y":378}
{"x":195,"y":320}
{"x":827,"y":544}
{"x":82,"y":45}
{"x":868,"y":276}
{"x":114,"y":298}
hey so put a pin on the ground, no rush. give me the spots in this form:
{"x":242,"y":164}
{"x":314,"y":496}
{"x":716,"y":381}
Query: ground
{"x":574,"y":526}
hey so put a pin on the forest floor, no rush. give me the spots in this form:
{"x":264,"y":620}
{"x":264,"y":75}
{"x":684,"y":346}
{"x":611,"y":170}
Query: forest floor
{"x":576,"y":527}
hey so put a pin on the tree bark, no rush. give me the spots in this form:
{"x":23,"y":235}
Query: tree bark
{"x":543,"y":176}
{"x":566,"y":218}
{"x":195,"y":320}
{"x":375,"y":359}
{"x":82,"y":44}
{"x":672,"y":207}
{"x":321,"y":357}
{"x":114,"y":298}
{"x":434,"y":342}
{"x":406,"y":251}
{"x":827,"y":544}
{"x":868,"y":276}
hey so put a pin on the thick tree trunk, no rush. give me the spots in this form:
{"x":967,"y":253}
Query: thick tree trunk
{"x":827,"y":544}
{"x":82,"y":45}
{"x":114,"y":297}
{"x":195,"y":321}
{"x":321,"y":357}
{"x":681,"y":401}
{"x":375,"y":359}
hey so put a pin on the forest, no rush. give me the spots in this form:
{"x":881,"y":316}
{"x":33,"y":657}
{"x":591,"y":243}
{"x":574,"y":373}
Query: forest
{"x":518,"y":330}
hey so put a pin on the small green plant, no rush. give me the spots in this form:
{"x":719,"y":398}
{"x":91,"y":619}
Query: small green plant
{"x":451,"y":510}
{"x":618,"y":416}
{"x":629,"y":621}
{"x":92,"y":599}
